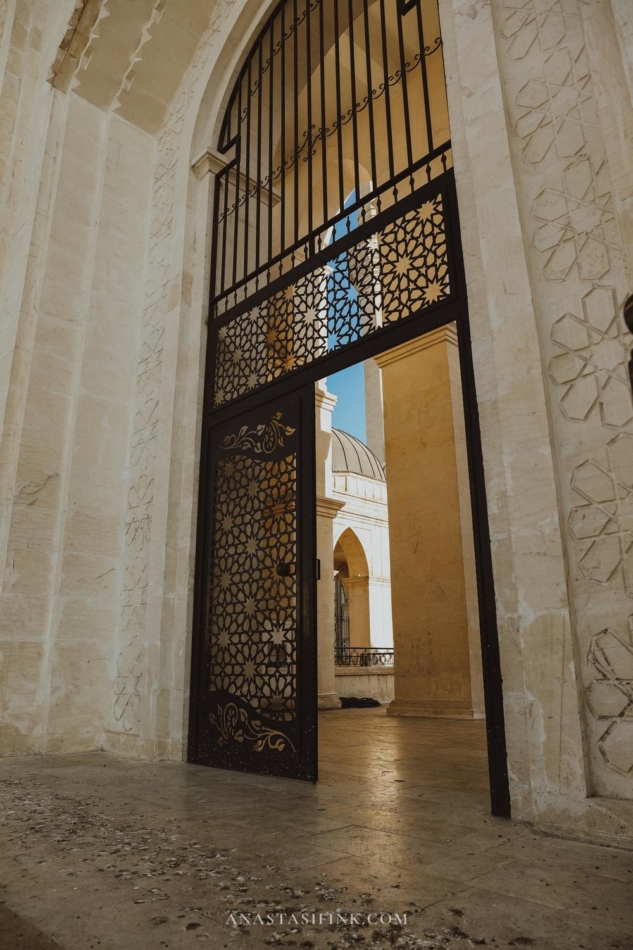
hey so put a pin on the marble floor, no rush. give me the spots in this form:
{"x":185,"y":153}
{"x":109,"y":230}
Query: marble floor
{"x":101,"y":853}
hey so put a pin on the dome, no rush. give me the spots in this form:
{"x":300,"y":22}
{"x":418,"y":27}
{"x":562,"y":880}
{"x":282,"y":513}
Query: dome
{"x":349,"y":454}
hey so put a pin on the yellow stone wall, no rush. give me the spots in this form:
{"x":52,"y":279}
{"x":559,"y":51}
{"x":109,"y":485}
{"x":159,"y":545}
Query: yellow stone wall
{"x":430,"y":622}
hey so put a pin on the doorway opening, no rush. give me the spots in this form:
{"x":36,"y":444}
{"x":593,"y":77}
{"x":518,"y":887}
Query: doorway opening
{"x":335,"y":239}
{"x":399,"y":647}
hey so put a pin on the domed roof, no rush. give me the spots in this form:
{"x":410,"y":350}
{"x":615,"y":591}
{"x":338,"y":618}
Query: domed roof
{"x":349,"y":454}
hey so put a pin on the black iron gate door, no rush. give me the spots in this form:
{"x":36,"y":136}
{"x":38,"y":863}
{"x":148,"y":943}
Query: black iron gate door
{"x":256,"y":665}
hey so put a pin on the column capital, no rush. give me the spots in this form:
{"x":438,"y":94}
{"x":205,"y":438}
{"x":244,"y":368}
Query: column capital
{"x":208,"y":162}
{"x":324,"y":400}
{"x":446,"y":334}
{"x":212,"y":162}
{"x":328,"y":507}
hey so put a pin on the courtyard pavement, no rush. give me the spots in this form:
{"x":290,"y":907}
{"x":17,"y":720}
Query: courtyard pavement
{"x":103,"y":853}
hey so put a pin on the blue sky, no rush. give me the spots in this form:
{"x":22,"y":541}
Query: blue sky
{"x":349,"y":412}
{"x":348,"y":385}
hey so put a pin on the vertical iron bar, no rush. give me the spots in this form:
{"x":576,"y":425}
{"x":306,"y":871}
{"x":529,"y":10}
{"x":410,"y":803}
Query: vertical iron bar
{"x":486,"y":600}
{"x":352,"y":56}
{"x":309,"y":140}
{"x":370,"y":102}
{"x":425,"y":83}
{"x":296,"y":118}
{"x":385,"y":66}
{"x":248,"y":168}
{"x":323,"y":116}
{"x":339,"y":128}
{"x":213,"y":270}
{"x":258,"y":207}
{"x":282,"y":228}
{"x":271,"y":126}
{"x":238,"y":155}
{"x":225,"y":227}
{"x":405,"y":92}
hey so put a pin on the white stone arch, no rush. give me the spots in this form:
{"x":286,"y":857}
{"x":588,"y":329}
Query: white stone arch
{"x":356,"y":583}
{"x":178,"y":264}
{"x":493,"y":375}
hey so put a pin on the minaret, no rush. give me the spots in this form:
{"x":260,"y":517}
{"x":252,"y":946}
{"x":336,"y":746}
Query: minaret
{"x":373,"y":409}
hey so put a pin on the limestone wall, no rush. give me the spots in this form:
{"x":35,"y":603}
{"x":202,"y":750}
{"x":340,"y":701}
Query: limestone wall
{"x":571,"y":139}
{"x":76,"y":202}
{"x":533,"y":251}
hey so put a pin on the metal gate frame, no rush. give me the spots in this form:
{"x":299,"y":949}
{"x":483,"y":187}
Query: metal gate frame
{"x":440,"y":313}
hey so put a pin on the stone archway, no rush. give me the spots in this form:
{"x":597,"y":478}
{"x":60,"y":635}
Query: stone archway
{"x":351,"y":562}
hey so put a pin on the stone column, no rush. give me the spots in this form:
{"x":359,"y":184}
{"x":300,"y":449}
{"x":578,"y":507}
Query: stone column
{"x":380,"y":612}
{"x":373,"y":409}
{"x":357,"y":589}
{"x":430,"y":619}
{"x":327,"y":509}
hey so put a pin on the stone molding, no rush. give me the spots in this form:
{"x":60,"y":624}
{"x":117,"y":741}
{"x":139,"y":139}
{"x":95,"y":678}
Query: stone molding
{"x":328,"y":507}
{"x":432,"y":709}
{"x":328,"y":701}
{"x":211,"y":162}
{"x":446,"y":334}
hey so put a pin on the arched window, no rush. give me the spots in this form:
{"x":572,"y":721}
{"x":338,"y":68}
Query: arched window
{"x":333,"y":92}
{"x":331,"y":216}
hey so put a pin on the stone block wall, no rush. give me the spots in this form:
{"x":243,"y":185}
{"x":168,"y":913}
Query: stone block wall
{"x":571,"y":138}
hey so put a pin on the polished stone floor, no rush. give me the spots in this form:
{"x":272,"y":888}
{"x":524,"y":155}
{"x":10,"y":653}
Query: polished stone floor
{"x":100,"y":853}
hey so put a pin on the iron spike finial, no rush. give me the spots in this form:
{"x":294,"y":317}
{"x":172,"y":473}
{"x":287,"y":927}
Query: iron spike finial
{"x":627,"y":312}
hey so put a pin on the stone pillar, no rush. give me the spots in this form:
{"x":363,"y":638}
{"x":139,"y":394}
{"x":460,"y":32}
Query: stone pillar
{"x":380,"y":612}
{"x":430,"y":619}
{"x":373,"y":409}
{"x":357,"y":589}
{"x":327,"y":509}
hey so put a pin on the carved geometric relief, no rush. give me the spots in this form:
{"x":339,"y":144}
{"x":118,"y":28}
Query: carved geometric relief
{"x":576,"y":224}
{"x":127,"y":704}
{"x":556,"y":108}
{"x":591,"y":369}
{"x":579,"y":277}
{"x":161,"y":267}
{"x":603,"y":525}
{"x":610,"y":695}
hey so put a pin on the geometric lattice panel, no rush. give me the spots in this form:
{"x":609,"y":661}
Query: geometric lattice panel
{"x":253,"y":618}
{"x":400,"y":270}
{"x":254,"y":674}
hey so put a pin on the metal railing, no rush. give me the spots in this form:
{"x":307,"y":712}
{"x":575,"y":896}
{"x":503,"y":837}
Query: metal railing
{"x":363,"y":656}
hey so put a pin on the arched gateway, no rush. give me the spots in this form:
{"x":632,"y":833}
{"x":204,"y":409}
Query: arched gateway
{"x":335,"y":237}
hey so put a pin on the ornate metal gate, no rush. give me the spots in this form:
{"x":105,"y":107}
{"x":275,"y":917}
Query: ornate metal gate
{"x":335,"y":236}
{"x":255,"y":707}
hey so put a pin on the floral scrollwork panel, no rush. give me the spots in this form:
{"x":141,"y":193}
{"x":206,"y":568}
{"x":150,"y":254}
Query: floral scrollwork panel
{"x":234,"y":724}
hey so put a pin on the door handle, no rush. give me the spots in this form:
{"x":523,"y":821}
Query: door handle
{"x":285,"y":569}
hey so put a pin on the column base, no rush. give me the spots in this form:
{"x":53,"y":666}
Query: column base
{"x":431,"y":708}
{"x":328,"y":701}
